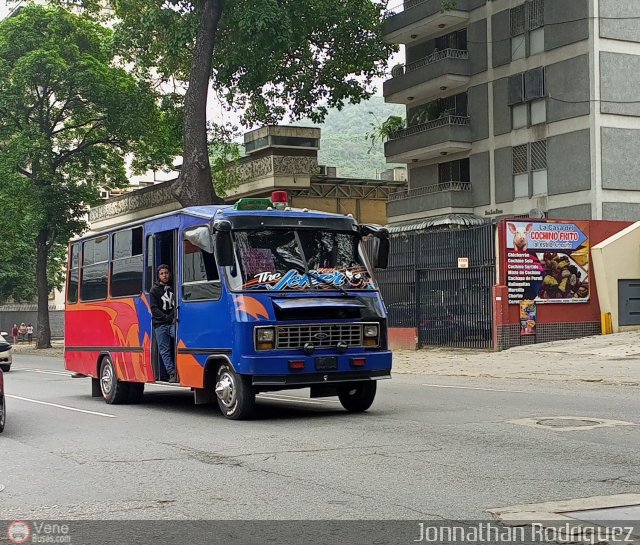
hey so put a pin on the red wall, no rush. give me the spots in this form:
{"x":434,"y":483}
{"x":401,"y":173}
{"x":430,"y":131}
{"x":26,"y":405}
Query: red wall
{"x":552,"y":313}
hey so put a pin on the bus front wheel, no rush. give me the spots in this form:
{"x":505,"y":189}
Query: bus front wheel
{"x":357,"y":397}
{"x":236,"y":396}
{"x":114,"y":391}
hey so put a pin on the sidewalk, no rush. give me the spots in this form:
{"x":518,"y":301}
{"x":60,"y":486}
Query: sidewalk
{"x":605,"y":359}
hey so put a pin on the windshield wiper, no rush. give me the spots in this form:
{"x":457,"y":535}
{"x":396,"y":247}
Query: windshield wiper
{"x":312,"y":274}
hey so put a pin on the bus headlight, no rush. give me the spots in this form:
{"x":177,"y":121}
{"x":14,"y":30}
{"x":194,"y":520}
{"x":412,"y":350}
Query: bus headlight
{"x":265,"y":338}
{"x":371,"y":334}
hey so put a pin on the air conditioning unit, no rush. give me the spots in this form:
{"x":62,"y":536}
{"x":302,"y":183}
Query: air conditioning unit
{"x":324,"y":170}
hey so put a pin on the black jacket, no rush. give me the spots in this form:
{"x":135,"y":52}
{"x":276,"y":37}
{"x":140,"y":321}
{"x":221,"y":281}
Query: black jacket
{"x":163,"y":304}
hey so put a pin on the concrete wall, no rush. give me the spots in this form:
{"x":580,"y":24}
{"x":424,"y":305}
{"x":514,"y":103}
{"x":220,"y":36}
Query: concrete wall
{"x":480,"y":179}
{"x":568,"y":81}
{"x":423,"y":176}
{"x":616,"y":258}
{"x":10,"y":317}
{"x":477,"y":46}
{"x":501,"y":109}
{"x":620,"y":211}
{"x":620,"y":158}
{"x":613,"y":24}
{"x":569,"y":162}
{"x":566,"y":22}
{"x":575,"y":212}
{"x":478,"y":107}
{"x":503,"y":166}
{"x":619,"y":83}
{"x":365,"y":211}
{"x":501,"y":38}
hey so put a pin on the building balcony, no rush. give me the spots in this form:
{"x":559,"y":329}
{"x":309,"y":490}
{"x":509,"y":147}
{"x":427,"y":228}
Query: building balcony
{"x":432,"y":197}
{"x":419,"y":20}
{"x":444,"y":136}
{"x":440,"y":71}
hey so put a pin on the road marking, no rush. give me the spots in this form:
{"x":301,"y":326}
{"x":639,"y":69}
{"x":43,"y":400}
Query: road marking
{"x":60,"y":406}
{"x":44,"y":371}
{"x":473,"y":388}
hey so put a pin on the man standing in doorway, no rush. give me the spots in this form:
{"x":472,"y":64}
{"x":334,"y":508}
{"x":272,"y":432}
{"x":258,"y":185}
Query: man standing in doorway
{"x":163,"y":314}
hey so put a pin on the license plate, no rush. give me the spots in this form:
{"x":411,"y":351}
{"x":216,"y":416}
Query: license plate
{"x":326,"y":363}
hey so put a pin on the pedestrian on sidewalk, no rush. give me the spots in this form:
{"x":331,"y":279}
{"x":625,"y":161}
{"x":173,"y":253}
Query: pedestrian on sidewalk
{"x":30,"y":333}
{"x":22,"y":332}
{"x":14,"y":333}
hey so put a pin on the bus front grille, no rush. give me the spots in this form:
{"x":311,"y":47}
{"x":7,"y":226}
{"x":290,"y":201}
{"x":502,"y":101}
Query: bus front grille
{"x":320,"y":335}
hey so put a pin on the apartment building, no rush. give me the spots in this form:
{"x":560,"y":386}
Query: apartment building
{"x":517,"y":107}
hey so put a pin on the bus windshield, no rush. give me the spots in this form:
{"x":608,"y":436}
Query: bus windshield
{"x":279,"y":259}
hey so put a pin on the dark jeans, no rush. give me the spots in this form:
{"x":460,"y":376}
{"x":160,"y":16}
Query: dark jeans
{"x":165,"y":334}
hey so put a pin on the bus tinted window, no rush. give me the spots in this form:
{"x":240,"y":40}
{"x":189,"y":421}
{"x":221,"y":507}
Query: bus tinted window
{"x":127,"y":265}
{"x":200,"y":279}
{"x":95,"y":269}
{"x":72,"y":284}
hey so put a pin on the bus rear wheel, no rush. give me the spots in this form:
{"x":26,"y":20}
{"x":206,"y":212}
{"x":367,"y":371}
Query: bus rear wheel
{"x":114,"y":391}
{"x":357,"y":397}
{"x":236,"y":396}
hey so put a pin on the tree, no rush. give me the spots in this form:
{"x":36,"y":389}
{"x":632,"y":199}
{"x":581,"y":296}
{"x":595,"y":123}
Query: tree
{"x":264,"y":57}
{"x":68,"y":116}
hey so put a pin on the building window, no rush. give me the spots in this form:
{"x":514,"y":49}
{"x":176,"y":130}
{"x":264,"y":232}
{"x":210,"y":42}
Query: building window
{"x":526,"y":98}
{"x":454,"y":171}
{"x":527,"y":27}
{"x":538,"y":164}
{"x":538,"y":110}
{"x":536,"y":41}
{"x":530,"y":169}
{"x":519,"y":116}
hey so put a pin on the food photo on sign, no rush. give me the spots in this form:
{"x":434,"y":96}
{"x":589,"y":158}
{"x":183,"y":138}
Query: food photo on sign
{"x":547,"y":262}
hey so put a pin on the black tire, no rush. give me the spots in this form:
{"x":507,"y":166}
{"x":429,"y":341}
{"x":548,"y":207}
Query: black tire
{"x":6,"y":368}
{"x":235,"y":394}
{"x":3,"y":414}
{"x":136,"y":389}
{"x":357,"y":397}
{"x":114,"y":391}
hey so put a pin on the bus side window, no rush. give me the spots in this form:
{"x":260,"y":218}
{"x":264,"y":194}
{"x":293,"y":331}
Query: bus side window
{"x":127,"y":263}
{"x":149,"y":264}
{"x":74,"y":274}
{"x":200,"y":279}
{"x":95,"y":269}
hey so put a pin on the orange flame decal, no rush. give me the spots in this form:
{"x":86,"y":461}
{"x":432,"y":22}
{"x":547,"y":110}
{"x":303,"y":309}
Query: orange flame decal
{"x":251,"y":306}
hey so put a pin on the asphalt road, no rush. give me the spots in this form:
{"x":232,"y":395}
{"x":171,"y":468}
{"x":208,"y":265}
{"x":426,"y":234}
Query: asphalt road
{"x":429,"y":448}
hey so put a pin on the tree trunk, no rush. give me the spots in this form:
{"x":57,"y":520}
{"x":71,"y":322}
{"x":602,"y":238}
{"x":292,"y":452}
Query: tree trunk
{"x":43,"y":337}
{"x":194,"y":185}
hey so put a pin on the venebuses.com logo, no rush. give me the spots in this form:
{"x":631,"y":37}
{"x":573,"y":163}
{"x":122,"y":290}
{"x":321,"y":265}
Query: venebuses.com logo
{"x":18,"y":532}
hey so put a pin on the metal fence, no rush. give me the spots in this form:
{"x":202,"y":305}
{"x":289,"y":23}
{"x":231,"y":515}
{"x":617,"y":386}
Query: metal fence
{"x":424,"y":287}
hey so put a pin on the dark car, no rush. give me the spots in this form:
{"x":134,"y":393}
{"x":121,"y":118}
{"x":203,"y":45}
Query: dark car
{"x":5,"y":355}
{"x":3,"y":407}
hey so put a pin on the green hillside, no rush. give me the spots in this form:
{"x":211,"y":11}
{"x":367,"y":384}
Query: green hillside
{"x":343,"y":143}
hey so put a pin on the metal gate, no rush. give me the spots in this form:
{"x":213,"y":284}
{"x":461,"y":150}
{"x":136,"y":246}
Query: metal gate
{"x":425,"y":288}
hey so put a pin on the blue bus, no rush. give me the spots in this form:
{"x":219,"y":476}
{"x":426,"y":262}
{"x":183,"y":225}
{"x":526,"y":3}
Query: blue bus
{"x":268,"y":298}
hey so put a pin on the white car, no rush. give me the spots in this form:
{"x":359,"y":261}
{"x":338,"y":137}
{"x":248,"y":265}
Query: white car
{"x":5,"y":355}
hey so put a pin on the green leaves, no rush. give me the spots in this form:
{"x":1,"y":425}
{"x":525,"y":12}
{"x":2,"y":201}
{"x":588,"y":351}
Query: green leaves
{"x":68,"y":117}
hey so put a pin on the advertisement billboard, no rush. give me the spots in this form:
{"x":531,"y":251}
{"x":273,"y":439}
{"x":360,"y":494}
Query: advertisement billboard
{"x":547,"y":262}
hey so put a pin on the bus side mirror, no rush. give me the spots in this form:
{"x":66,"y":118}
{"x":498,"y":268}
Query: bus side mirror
{"x":224,"y":249}
{"x":380,"y":244}
{"x":381,"y":252}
